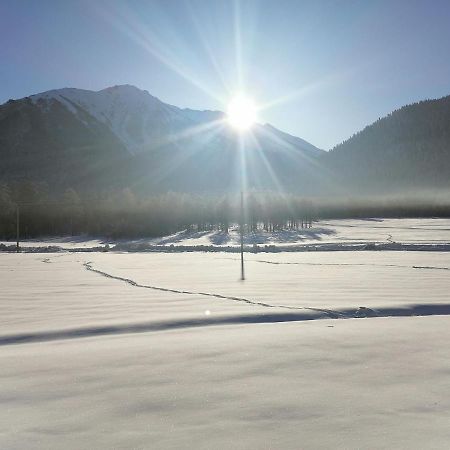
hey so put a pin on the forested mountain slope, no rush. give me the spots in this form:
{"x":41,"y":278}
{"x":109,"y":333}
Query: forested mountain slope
{"x":408,"y":149}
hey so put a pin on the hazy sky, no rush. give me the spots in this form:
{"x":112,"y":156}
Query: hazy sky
{"x":324,"y":69}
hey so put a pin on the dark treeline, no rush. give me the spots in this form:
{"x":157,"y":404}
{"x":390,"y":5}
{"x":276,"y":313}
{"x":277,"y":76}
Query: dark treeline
{"x":117,"y":214}
{"x":123,"y":214}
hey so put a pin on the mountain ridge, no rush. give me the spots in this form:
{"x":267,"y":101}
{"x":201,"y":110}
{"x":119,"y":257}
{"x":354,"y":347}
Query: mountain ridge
{"x":63,"y":136}
{"x":133,"y":99}
{"x":122,"y":136}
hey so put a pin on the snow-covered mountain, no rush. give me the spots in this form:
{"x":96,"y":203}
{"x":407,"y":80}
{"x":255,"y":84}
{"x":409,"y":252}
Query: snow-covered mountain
{"x":124,"y":136}
{"x":133,"y":115}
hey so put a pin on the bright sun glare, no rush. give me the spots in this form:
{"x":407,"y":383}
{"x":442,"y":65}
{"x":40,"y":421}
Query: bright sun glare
{"x":241,"y":112}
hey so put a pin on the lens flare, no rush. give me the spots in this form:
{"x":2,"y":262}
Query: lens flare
{"x":241,"y":112}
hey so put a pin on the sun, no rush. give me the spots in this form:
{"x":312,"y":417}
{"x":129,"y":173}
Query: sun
{"x":241,"y":112}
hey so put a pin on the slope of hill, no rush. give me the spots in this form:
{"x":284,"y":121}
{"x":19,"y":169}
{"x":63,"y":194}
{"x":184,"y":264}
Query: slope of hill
{"x":122,"y":136}
{"x":408,"y":149}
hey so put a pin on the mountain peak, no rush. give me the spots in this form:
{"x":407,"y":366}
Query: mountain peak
{"x":122,"y":87}
{"x":126,"y":90}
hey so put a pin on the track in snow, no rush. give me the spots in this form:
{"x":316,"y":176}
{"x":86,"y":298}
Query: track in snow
{"x":339,"y":264}
{"x":88,"y":266}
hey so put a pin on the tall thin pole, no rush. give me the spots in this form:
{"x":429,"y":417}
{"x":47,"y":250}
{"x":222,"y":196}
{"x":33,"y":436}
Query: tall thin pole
{"x":17,"y":227}
{"x":241,"y":229}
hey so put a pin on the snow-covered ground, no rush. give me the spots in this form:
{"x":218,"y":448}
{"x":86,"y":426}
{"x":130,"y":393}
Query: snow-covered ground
{"x":76,"y":290}
{"x":332,"y":235}
{"x":60,"y":243}
{"x":411,"y":231}
{"x":172,"y":350}
{"x":355,"y":384}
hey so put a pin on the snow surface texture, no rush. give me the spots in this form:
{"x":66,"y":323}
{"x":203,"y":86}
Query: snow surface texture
{"x":350,"y":231}
{"x":62,"y":291}
{"x":357,"y":384}
{"x":167,"y":351}
{"x":328,"y":235}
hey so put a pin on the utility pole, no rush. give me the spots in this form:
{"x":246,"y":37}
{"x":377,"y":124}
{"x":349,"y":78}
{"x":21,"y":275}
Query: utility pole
{"x":241,"y":229}
{"x":17,"y":227}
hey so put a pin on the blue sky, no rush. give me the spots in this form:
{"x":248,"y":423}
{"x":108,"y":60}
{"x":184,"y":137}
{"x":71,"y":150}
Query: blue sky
{"x":323,"y":69}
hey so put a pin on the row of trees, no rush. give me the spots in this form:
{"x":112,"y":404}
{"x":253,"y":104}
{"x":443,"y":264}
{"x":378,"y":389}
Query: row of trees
{"x":122,"y":213}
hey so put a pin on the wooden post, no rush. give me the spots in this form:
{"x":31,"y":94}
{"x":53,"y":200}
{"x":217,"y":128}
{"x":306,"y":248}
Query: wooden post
{"x":241,"y":228}
{"x":17,"y":227}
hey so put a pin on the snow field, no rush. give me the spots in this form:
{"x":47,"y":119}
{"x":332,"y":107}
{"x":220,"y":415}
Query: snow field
{"x":57,"y":291}
{"x":173,"y":351}
{"x":361,"y":383}
{"x":339,"y":232}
